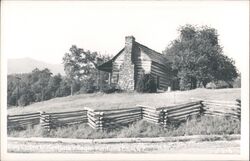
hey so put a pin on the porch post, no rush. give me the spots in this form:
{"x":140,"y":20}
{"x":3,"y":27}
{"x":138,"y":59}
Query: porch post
{"x":109,"y":78}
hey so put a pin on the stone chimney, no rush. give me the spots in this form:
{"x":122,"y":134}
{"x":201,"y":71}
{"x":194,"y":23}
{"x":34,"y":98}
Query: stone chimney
{"x":126,"y":73}
{"x":129,"y":42}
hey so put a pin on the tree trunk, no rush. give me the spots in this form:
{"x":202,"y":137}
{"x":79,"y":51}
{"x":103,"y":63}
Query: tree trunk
{"x":204,"y":83}
{"x":193,"y":83}
{"x":17,"y":96}
{"x":98,"y":80}
{"x":42,"y":95}
{"x":71,"y":90}
{"x":229,"y":84}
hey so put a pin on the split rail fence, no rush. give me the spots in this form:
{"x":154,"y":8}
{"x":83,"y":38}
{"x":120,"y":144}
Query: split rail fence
{"x":221,"y":108}
{"x":112,"y":118}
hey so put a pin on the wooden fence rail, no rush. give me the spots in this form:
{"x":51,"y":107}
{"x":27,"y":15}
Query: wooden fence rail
{"x":23,"y":120}
{"x":112,"y":118}
{"x":183,"y":111}
{"x":216,"y":108}
{"x":116,"y":118}
{"x":47,"y":120}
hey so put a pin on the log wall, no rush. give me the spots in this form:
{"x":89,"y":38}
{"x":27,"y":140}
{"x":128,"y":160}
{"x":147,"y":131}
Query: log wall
{"x":158,"y":70}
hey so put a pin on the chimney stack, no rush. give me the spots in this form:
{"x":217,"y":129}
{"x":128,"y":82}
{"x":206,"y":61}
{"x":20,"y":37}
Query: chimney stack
{"x":129,"y":40}
{"x":126,"y":74}
{"x":129,"y":43}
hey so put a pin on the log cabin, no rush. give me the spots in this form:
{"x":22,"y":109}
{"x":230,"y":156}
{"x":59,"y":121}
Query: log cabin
{"x":134,"y":60}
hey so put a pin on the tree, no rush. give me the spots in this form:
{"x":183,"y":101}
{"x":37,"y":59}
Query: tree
{"x":54,"y":84}
{"x":197,"y":58}
{"x":64,"y":88}
{"x":39,"y":85}
{"x":39,"y":81}
{"x":237,"y":82}
{"x":16,"y":88}
{"x":96,"y":80}
{"x":44,"y":78}
{"x":80,"y":66}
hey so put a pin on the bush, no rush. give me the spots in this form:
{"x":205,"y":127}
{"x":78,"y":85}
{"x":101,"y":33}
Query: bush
{"x":185,"y":84}
{"x":23,"y":100}
{"x":87,"y":89}
{"x":146,"y":84}
{"x":211,"y":85}
{"x":187,"y":80}
{"x":237,"y":82}
{"x":218,"y":85}
{"x":223,"y":84}
{"x":110,"y":89}
{"x":88,"y":86}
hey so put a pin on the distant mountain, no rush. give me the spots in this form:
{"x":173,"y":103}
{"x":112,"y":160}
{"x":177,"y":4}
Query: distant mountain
{"x":26,"y":65}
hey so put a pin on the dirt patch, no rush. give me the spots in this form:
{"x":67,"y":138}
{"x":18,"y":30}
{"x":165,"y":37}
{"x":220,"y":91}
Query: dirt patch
{"x":190,"y":147}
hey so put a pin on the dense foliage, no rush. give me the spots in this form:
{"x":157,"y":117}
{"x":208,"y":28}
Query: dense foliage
{"x":80,"y":66}
{"x":146,"y":84}
{"x":197,"y":58}
{"x":39,"y":85}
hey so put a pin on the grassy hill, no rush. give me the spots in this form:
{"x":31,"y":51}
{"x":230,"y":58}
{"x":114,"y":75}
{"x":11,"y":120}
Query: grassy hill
{"x":123,"y":100}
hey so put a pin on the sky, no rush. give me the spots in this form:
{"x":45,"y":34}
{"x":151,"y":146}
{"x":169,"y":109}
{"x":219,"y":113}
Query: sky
{"x":45,"y":30}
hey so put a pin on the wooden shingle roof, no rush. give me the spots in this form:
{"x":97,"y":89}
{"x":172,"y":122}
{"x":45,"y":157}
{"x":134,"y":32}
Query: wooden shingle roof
{"x":153,"y":55}
{"x":107,"y":66}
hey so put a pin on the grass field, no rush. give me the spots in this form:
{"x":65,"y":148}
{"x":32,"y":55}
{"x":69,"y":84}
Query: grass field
{"x":123,"y":100}
{"x":203,"y":126}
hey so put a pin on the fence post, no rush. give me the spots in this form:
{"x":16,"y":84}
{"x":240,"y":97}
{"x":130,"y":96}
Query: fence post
{"x":85,"y":115}
{"x":238,"y":102}
{"x":45,"y":121}
{"x":141,"y":112}
{"x":239,"y":108}
{"x":161,"y":116}
{"x":201,"y":108}
{"x":165,"y":120}
{"x":91,"y":115}
{"x":8,"y":121}
{"x":41,"y":117}
{"x":101,"y":125}
{"x":88,"y":117}
{"x":187,"y":122}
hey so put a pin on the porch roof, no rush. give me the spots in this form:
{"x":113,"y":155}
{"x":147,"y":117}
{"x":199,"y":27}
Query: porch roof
{"x":107,"y":66}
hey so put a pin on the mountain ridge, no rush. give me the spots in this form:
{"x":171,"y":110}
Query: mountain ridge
{"x":26,"y":65}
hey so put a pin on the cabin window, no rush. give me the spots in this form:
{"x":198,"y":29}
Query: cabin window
{"x":158,"y":82}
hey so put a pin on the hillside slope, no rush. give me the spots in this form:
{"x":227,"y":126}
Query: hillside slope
{"x":26,"y":65}
{"x":123,"y":100}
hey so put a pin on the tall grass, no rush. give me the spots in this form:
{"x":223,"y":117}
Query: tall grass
{"x":196,"y":126}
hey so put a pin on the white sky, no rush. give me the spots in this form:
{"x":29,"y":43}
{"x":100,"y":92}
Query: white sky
{"x":46,"y":30}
